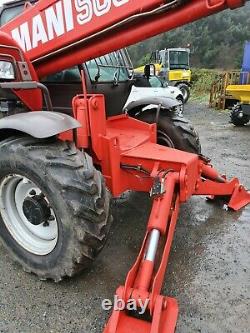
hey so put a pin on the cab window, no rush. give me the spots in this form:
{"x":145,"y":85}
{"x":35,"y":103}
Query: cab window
{"x":107,"y":68}
{"x":71,"y":75}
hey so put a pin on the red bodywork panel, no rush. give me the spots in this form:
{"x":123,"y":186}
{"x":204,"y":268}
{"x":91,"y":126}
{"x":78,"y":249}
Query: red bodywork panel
{"x":10,"y":51}
{"x":59,"y":34}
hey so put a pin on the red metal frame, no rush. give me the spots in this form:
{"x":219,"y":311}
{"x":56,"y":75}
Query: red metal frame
{"x":127,"y":152}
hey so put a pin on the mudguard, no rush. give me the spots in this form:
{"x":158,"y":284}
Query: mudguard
{"x":176,"y":83}
{"x":39,"y":124}
{"x":149,"y":102}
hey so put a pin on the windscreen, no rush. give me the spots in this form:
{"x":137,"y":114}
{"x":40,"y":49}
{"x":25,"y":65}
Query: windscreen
{"x":179,"y":60}
{"x":108,"y":68}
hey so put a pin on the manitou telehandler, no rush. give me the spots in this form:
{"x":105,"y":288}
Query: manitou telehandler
{"x":57,"y":170}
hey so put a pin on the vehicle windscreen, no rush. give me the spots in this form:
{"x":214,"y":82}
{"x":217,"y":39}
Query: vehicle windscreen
{"x":155,"y":82}
{"x":178,"y":60}
{"x":108,"y":68}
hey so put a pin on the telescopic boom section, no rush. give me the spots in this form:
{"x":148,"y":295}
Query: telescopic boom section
{"x":59,"y":34}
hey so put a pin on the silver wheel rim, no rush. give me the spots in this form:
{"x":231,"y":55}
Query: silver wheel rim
{"x":184,"y":93}
{"x":37,"y":239}
{"x":180,"y":108}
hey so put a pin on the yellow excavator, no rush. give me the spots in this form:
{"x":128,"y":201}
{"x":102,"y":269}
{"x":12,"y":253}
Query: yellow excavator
{"x":173,"y":65}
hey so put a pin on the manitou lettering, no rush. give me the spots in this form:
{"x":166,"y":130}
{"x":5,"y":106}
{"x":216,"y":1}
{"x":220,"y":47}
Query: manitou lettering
{"x":85,"y":9}
{"x":61,"y":17}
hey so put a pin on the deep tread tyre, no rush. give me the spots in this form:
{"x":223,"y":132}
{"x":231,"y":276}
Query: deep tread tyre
{"x":235,"y":119}
{"x":76,"y":193}
{"x":185,"y":89}
{"x":173,"y":130}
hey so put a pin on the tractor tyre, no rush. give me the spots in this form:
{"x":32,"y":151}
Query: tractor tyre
{"x":173,"y":130}
{"x":54,"y":206}
{"x":185,"y":89}
{"x":236,"y":118}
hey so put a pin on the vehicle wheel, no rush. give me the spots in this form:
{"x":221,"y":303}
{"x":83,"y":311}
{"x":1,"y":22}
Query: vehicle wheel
{"x":173,"y":131}
{"x":55,"y":208}
{"x":237,"y":117}
{"x":180,"y":109}
{"x":185,"y":89}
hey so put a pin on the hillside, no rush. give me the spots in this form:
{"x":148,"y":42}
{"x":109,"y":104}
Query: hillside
{"x":216,"y":42}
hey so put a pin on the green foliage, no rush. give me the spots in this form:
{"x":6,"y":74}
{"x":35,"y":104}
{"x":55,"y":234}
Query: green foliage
{"x":202,"y":80}
{"x":216,"y":42}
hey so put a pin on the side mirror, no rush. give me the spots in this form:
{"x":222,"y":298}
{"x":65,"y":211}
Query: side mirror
{"x":7,"y":71}
{"x":149,"y":70}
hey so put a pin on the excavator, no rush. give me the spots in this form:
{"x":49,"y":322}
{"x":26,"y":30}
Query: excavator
{"x":173,"y":65}
{"x":58,"y":171}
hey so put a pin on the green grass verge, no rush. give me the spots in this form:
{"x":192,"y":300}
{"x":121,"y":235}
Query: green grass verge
{"x":202,"y":80}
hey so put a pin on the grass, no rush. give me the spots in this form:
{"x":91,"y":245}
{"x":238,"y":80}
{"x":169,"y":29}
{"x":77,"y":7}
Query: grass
{"x":202,"y":80}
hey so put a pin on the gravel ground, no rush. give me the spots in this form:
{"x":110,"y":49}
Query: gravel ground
{"x":209,"y":269}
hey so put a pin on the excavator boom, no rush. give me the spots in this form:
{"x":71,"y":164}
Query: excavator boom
{"x":59,"y":34}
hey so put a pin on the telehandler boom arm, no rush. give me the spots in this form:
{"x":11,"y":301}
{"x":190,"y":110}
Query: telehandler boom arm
{"x":58,"y":34}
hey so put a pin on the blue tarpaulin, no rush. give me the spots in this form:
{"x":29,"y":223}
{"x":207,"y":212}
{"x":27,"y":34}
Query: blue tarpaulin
{"x":246,"y":58}
{"x":244,"y":76}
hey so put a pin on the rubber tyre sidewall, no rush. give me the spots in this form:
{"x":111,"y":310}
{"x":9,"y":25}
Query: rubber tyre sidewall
{"x":167,"y":123}
{"x":9,"y":166}
{"x":76,"y":247}
{"x":183,"y":86}
{"x":239,"y":122}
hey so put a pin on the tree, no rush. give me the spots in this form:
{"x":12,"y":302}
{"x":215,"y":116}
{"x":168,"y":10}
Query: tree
{"x":216,"y":41}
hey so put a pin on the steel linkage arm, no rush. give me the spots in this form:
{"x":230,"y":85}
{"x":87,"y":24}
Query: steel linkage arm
{"x":215,"y":185}
{"x":144,"y":281}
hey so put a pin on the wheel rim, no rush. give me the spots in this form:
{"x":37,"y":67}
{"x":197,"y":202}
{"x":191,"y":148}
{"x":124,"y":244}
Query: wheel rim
{"x":180,"y":108}
{"x":184,"y":93}
{"x":164,"y":140}
{"x":15,"y":192}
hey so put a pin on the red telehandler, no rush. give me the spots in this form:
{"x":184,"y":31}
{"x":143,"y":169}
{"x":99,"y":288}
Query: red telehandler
{"x":57,"y":170}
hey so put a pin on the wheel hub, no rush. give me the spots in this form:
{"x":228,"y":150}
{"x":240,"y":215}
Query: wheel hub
{"x":28,"y":214}
{"x":36,"y":209}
